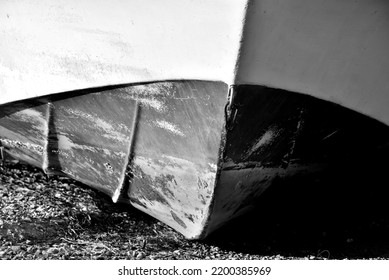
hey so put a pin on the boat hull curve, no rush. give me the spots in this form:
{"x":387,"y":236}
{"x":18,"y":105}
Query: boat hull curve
{"x":187,"y":152}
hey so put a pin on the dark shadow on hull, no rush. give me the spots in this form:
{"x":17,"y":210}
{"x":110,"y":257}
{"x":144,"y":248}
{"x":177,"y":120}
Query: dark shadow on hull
{"x":341,"y":211}
{"x":339,"y":216}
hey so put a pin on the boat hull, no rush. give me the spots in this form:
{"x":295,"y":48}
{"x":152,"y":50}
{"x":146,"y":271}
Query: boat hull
{"x":303,"y":87}
{"x":190,"y":153}
{"x":152,"y":145}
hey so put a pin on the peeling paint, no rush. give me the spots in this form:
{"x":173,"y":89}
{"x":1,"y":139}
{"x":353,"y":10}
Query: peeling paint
{"x":150,"y":95}
{"x":181,"y":185}
{"x":65,"y":143}
{"x":264,"y":140}
{"x":108,"y":167}
{"x":62,"y":153}
{"x":31,"y":116}
{"x":153,"y":103}
{"x":162,"y":88}
{"x":169,"y":127}
{"x":177,"y":219}
{"x":22,"y":145}
{"x":112,"y":133}
{"x":212,"y":166}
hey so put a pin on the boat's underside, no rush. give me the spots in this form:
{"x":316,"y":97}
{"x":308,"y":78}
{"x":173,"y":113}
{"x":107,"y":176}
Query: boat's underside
{"x":180,"y":150}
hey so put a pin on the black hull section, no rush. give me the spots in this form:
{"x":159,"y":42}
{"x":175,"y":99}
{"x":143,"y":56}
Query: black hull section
{"x":275,"y":134}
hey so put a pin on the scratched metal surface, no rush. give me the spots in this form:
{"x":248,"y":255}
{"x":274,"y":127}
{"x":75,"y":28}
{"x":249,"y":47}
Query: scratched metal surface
{"x":23,"y":129}
{"x":89,"y":137}
{"x":279,"y":134}
{"x":167,"y":149}
{"x":176,"y":154}
{"x":152,"y":145}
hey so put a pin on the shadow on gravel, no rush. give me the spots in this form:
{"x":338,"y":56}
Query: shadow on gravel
{"x":35,"y":231}
{"x":345,"y":215}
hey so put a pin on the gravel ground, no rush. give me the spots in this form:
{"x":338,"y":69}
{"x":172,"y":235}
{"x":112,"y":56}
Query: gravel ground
{"x":62,"y":219}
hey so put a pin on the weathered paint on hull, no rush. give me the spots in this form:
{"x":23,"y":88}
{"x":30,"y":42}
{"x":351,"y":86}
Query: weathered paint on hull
{"x":174,"y":149}
{"x":152,"y":145}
